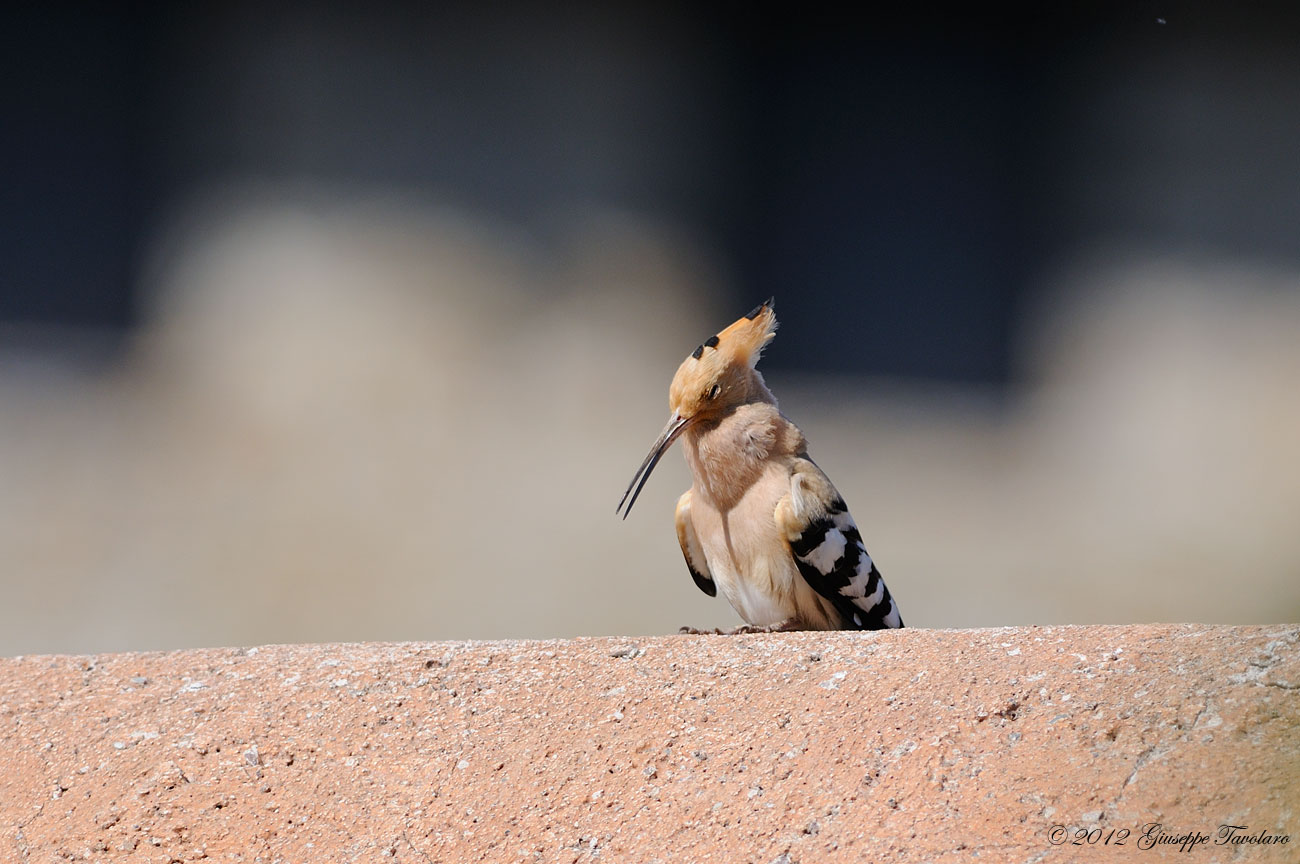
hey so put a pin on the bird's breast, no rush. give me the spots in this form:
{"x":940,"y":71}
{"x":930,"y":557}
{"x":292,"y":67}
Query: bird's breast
{"x":749,"y":559}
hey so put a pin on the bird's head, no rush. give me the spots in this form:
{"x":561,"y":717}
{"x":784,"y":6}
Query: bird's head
{"x":720,"y":373}
{"x":718,"y":376}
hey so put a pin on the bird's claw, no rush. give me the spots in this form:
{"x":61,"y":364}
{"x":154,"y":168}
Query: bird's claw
{"x":786,"y":626}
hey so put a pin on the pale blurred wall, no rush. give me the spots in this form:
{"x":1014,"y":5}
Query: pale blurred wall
{"x":362,"y":409}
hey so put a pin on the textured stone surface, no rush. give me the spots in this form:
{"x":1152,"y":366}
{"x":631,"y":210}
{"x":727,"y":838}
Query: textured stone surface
{"x":914,"y":745}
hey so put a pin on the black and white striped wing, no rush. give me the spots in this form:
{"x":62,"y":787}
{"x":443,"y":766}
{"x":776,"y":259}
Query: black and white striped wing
{"x":830,"y":555}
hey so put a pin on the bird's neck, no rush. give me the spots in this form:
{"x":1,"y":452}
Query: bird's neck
{"x":728,"y":455}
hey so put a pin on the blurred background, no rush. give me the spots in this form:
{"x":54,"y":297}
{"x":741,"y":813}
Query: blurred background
{"x":351,"y":322}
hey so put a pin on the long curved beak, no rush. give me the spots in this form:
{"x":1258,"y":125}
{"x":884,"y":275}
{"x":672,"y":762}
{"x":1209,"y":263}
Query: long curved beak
{"x":666,"y":438}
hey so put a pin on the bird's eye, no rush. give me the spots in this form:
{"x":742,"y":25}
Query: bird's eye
{"x":714,"y":391}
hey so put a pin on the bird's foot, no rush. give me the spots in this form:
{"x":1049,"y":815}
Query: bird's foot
{"x":787,"y":626}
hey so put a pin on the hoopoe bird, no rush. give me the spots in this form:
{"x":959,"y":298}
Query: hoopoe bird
{"x":761,"y":521}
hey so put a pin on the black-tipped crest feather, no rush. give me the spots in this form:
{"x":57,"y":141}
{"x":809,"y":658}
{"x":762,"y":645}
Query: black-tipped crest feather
{"x":757,"y":310}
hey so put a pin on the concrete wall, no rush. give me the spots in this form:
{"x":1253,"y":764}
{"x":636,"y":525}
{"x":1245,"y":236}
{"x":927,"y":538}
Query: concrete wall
{"x":919,"y":745}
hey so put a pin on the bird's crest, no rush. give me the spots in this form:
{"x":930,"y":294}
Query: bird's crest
{"x":743,"y":341}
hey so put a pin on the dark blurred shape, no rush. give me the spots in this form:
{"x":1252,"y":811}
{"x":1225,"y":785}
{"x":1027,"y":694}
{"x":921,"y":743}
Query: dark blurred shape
{"x":886,"y":202}
{"x":72,"y":89}
{"x":897,"y":182}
